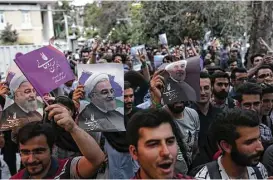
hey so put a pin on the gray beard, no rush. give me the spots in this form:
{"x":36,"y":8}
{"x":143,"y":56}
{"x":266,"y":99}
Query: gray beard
{"x":30,"y":105}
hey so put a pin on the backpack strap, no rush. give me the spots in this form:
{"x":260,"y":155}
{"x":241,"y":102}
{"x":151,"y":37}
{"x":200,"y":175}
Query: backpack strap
{"x":257,"y":172}
{"x":213,"y":169}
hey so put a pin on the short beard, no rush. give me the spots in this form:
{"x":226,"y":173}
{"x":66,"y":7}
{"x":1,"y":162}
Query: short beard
{"x":243,"y":159}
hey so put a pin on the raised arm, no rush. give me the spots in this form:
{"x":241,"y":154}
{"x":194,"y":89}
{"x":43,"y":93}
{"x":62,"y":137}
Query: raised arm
{"x":93,"y":156}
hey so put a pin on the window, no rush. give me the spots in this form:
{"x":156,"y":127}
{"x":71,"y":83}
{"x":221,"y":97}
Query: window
{"x":2,"y":18}
{"x":26,"y":23}
{"x":26,"y":17}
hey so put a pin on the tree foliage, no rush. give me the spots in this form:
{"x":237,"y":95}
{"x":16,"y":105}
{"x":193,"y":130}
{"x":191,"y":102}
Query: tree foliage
{"x":58,"y":19}
{"x":105,"y":17}
{"x":9,"y":36}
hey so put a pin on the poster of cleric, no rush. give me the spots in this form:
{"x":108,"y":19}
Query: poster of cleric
{"x":22,"y":104}
{"x":182,"y":80}
{"x":102,"y":109}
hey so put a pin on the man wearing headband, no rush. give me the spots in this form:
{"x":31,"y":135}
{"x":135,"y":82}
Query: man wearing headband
{"x":100,"y":114}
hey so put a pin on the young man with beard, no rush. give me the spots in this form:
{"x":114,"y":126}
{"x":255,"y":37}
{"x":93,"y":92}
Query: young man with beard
{"x":267,"y":104}
{"x":249,"y":96}
{"x":220,"y":84}
{"x":237,"y":134}
{"x":151,"y":135}
{"x":186,"y":121}
{"x":238,"y":76}
{"x":24,"y":108}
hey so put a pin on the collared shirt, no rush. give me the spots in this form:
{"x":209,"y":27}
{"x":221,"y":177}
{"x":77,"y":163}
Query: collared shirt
{"x":266,"y":133}
{"x":177,"y":176}
{"x":204,"y":174}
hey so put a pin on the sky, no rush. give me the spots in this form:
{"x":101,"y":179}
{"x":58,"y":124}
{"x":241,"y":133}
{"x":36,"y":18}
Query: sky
{"x":81,"y":2}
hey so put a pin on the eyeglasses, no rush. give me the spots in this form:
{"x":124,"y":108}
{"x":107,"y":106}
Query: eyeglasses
{"x":262,"y":76}
{"x":34,"y":152}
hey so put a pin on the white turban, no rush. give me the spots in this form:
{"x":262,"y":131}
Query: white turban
{"x":16,"y":81}
{"x":93,"y":80}
{"x":171,"y":65}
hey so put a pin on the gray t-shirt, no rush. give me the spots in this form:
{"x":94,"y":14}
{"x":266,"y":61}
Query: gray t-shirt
{"x":189,"y":127}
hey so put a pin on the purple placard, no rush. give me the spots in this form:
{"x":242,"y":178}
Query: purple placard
{"x":84,"y":77}
{"x":46,"y":69}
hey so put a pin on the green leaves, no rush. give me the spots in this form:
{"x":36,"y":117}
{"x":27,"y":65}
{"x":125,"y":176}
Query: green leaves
{"x":9,"y":36}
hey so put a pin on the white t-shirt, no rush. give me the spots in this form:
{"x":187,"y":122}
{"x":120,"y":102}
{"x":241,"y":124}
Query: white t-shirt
{"x":204,"y":174}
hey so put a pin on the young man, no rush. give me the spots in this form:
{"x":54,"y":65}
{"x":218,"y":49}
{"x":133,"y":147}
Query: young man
{"x":186,"y":121}
{"x":249,"y":96}
{"x":237,"y":134}
{"x":263,"y":73}
{"x":238,"y":76}
{"x":220,"y":83}
{"x":151,"y":136}
{"x":36,"y":141}
{"x":207,"y":113}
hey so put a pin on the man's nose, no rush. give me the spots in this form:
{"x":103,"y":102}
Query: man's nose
{"x":164,"y":150}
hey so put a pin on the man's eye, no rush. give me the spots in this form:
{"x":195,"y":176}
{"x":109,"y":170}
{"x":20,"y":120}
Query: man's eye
{"x":170,"y":142}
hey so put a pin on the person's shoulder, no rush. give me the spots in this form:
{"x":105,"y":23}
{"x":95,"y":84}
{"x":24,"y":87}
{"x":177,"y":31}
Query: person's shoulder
{"x":192,"y":111}
{"x":263,"y":170}
{"x":18,"y":175}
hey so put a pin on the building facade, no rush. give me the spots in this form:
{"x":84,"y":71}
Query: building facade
{"x":32,"y":19}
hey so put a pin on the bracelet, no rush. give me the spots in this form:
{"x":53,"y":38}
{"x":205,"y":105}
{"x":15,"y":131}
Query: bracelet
{"x":157,"y":105}
{"x":144,"y":65}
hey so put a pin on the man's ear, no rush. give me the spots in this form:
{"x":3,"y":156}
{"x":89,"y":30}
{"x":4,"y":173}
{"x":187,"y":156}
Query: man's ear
{"x":225,"y":146}
{"x":133,"y":152}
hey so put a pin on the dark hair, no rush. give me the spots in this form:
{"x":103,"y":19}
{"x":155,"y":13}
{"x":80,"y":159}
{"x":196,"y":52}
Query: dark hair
{"x":230,"y":61}
{"x":216,"y":75}
{"x":212,"y":69}
{"x":263,"y":67}
{"x":266,"y":88}
{"x":67,"y":102}
{"x":34,"y":129}
{"x":254,"y":56}
{"x":127,"y":85}
{"x":225,"y":125}
{"x":150,"y":118}
{"x":123,"y":58}
{"x":237,"y":70}
{"x":248,"y":88}
{"x":85,"y":50}
{"x":204,"y":75}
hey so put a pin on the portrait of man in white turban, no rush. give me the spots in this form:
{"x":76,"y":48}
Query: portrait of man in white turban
{"x":176,"y":82}
{"x":100,"y":114}
{"x":25,"y":101}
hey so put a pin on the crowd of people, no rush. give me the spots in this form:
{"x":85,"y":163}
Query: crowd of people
{"x":225,"y":134}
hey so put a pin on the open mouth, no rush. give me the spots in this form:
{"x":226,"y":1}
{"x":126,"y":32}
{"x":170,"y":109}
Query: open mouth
{"x":165,"y":165}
